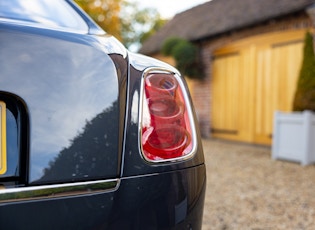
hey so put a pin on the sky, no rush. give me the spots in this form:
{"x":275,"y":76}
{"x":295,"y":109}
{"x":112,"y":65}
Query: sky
{"x":168,"y":8}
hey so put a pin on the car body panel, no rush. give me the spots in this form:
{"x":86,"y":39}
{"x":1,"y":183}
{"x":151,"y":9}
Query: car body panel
{"x":74,"y":152}
{"x":155,"y":201}
{"x":66,"y":98}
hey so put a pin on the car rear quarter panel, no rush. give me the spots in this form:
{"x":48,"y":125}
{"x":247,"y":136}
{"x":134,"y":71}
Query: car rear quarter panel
{"x":70,"y":91}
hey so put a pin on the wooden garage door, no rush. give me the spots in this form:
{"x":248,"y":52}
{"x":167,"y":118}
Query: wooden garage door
{"x":251,"y":79}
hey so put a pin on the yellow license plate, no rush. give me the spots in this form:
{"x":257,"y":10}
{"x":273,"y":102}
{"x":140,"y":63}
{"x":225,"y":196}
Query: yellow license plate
{"x":3,"y":139}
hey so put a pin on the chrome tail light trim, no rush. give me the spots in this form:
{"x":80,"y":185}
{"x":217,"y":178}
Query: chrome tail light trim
{"x":192,"y":153}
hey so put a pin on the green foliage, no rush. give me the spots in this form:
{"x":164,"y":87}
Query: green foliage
{"x":305,"y":93}
{"x":169,"y":45}
{"x":186,"y":56}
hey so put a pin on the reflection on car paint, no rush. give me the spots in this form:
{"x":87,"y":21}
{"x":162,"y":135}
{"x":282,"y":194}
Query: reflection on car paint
{"x":80,"y":81}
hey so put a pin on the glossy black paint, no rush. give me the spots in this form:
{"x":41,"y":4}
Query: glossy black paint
{"x":154,"y":201}
{"x":75,"y":101}
{"x":65,"y":88}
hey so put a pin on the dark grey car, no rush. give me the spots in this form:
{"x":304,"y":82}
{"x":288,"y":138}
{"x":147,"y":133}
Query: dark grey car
{"x":92,"y":136}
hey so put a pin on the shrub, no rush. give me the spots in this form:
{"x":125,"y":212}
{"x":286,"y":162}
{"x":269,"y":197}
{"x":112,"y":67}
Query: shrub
{"x":169,"y":45}
{"x":305,"y":93}
{"x":186,"y":56}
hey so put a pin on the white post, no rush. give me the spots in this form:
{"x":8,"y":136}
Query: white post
{"x":275,"y":139}
{"x":307,"y":123}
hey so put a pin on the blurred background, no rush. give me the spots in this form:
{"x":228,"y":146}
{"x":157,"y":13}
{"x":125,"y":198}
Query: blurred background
{"x":132,"y":21}
{"x":241,"y":59}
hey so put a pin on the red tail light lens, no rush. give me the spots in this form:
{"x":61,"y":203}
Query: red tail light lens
{"x":167,"y":130}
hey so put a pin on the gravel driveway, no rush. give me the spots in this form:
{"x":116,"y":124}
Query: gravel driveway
{"x":246,"y":189}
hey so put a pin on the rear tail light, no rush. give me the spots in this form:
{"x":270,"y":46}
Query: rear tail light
{"x":167,"y":128}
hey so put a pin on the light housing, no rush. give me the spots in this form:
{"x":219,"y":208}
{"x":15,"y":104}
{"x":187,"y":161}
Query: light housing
{"x":167,"y":130}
